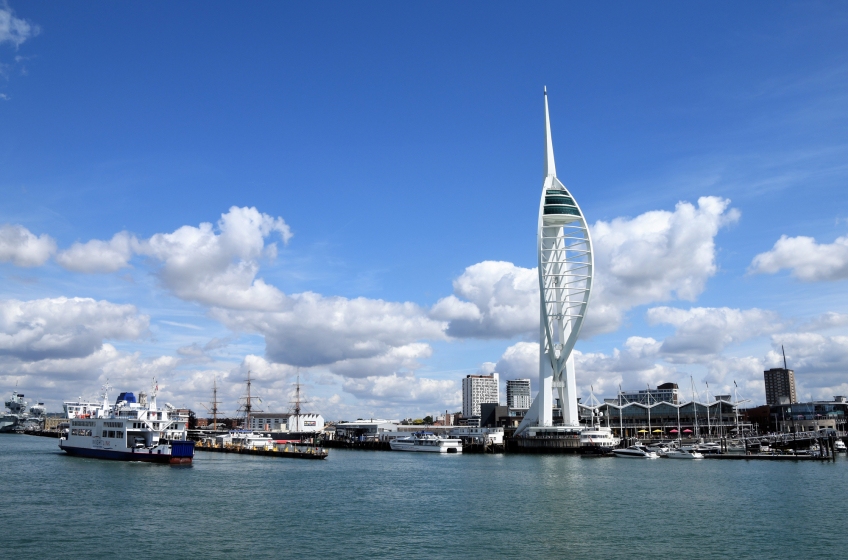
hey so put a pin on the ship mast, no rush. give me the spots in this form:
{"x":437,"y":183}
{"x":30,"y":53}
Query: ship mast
{"x":247,"y":407}
{"x":215,"y":402}
{"x":297,"y":402}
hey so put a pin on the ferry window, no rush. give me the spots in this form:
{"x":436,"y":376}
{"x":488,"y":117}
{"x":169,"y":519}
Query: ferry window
{"x":119,"y":434}
{"x":104,"y":433}
{"x":111,"y":433}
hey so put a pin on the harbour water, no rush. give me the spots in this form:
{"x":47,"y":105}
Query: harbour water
{"x":359,"y":504}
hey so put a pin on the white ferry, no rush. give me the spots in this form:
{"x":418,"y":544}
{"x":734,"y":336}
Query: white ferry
{"x":598,"y":438}
{"x":127,"y":431}
{"x":428,"y":442}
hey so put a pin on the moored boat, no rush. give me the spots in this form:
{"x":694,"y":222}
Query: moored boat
{"x":635,"y":452}
{"x":128,"y":430}
{"x":597,"y":439}
{"x":680,"y":454}
{"x":426,"y":442}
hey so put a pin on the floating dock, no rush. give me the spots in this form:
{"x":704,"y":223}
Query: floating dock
{"x":768,"y":457}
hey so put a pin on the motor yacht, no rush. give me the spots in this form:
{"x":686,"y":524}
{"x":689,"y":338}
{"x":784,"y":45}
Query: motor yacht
{"x":428,"y":442}
{"x":635,"y":451}
{"x":680,"y":454}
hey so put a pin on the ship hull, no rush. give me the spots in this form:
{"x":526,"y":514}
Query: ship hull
{"x":129,"y":455}
{"x":8,"y":423}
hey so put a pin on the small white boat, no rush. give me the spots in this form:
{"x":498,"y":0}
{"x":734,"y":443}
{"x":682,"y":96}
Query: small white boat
{"x":839,"y":446}
{"x":680,"y":454}
{"x":635,"y":452}
{"x":427,"y":442}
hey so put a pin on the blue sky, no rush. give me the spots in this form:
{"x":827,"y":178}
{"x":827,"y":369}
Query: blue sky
{"x":401,"y":145}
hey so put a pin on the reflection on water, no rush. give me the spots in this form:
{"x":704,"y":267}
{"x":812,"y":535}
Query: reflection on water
{"x":389,"y":505}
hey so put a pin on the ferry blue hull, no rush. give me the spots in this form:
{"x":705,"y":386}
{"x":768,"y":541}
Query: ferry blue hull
{"x":127,"y":455}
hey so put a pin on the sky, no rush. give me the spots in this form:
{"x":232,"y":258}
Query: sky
{"x":348,"y":193}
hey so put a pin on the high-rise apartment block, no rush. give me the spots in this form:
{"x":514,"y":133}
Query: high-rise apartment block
{"x":479,"y":389}
{"x":518,"y":393}
{"x":780,"y":386}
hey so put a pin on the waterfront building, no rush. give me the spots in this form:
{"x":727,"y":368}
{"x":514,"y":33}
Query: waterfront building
{"x":667,"y":392}
{"x":365,"y":430}
{"x":269,"y":421}
{"x":566,"y":268}
{"x":479,"y":389}
{"x":780,"y":386}
{"x":518,"y":393}
{"x":810,"y":416}
{"x":660,"y":420}
{"x":286,"y":422}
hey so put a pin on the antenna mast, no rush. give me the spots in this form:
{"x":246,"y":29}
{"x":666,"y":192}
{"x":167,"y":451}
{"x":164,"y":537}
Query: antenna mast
{"x":784,"y":356}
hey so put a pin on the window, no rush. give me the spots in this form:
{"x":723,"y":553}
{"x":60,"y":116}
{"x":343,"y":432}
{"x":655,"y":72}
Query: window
{"x":119,"y":434}
{"x":111,"y":433}
{"x":105,"y":433}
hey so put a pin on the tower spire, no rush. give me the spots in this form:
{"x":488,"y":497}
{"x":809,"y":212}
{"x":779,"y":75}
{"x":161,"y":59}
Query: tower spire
{"x":550,"y":165}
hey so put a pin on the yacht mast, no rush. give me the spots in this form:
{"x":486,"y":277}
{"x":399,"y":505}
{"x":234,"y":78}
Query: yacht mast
{"x":620,"y":420}
{"x":736,"y":408}
{"x":650,"y":434}
{"x":694,"y":407}
{"x":709,"y":429}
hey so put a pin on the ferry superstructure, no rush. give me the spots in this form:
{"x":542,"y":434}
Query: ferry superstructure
{"x":128,"y":430}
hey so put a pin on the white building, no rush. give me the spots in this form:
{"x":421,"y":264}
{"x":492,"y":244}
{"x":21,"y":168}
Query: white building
{"x":268,"y":421}
{"x":302,"y":423}
{"x":286,"y":422}
{"x":518,"y":393}
{"x":479,"y":389}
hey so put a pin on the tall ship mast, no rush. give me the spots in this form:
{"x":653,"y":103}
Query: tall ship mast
{"x":214,"y":403}
{"x":247,"y":404}
{"x":298,"y":421}
{"x":301,"y":422}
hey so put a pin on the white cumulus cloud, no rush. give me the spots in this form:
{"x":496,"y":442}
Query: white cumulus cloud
{"x":498,"y":300}
{"x":657,"y":256}
{"x":99,"y":256}
{"x":219,"y":268}
{"x":215,"y":266}
{"x":807,"y":260}
{"x":64,"y":327}
{"x":310,"y":330}
{"x":705,"y":331}
{"x":21,"y":247}
{"x":402,"y":390}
